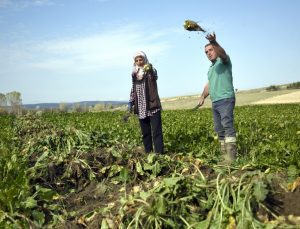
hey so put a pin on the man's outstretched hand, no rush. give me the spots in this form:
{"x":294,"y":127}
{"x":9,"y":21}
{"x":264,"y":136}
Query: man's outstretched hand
{"x":211,"y":37}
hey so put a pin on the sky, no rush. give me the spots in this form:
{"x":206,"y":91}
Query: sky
{"x":82,"y":50}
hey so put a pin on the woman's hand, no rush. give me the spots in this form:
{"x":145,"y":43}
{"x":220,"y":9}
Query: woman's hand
{"x":130,"y":106}
{"x":148,"y":67}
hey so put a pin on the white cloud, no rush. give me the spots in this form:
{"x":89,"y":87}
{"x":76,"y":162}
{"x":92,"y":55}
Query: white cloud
{"x":110,"y":49}
{"x":22,"y":4}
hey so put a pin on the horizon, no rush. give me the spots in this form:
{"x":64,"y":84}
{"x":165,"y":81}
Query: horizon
{"x":54,"y":50}
{"x":162,"y":98}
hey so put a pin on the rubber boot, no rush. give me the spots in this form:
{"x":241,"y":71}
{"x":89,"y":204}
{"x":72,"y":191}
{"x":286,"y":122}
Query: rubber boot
{"x":224,"y":156}
{"x":222,"y":147}
{"x":231,"y":149}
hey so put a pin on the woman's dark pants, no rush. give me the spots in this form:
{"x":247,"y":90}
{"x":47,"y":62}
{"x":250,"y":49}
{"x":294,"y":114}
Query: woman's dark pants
{"x":151,"y":127}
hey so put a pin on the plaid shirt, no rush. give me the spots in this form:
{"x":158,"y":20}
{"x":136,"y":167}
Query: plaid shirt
{"x":141,"y":97}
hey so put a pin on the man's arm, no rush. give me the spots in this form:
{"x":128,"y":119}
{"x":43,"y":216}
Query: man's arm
{"x":204,"y":94}
{"x":219,"y":50}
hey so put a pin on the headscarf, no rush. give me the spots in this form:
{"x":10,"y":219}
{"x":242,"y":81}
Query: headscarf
{"x":137,"y":69}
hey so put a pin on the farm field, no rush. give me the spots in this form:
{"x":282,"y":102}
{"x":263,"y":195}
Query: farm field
{"x":247,"y":97}
{"x":88,"y":170}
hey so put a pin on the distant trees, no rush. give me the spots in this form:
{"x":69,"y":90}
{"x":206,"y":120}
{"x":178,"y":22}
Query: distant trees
{"x":77,"y":107}
{"x":273,"y":88}
{"x":13,"y":100}
{"x":103,"y":107}
{"x":295,"y":85}
{"x":63,"y":107}
{"x":99,"y":107}
{"x":3,"y":101}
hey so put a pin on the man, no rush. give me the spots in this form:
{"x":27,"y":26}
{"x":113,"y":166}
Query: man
{"x":221,"y":91}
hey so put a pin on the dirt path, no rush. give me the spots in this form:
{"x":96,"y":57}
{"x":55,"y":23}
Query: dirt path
{"x":293,"y":97}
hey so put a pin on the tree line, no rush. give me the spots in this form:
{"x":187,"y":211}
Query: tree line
{"x":295,"y":85}
{"x":11,"y":101}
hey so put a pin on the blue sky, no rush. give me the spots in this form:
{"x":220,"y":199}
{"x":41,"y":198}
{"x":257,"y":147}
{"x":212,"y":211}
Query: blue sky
{"x":77,"y":50}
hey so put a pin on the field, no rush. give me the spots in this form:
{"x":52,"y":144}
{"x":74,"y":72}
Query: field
{"x":247,"y":97}
{"x":88,"y":170}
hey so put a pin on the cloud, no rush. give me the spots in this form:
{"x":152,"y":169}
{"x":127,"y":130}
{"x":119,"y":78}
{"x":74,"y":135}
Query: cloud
{"x":41,"y":2}
{"x":104,"y":50}
{"x":22,"y":4}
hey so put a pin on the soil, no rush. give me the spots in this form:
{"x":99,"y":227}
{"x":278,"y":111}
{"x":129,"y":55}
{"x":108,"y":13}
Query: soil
{"x":290,"y":203}
{"x":94,"y":196}
{"x":99,"y":195}
{"x":283,"y":203}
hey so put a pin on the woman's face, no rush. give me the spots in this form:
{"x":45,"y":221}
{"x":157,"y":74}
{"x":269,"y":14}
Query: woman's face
{"x":139,"y":61}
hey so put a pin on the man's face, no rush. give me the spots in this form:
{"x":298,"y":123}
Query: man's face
{"x":211,"y":53}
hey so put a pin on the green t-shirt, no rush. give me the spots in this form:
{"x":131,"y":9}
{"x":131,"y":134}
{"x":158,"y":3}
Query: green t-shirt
{"x":220,"y":80}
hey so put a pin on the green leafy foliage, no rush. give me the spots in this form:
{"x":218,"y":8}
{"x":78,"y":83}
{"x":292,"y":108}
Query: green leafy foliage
{"x":46,"y":159}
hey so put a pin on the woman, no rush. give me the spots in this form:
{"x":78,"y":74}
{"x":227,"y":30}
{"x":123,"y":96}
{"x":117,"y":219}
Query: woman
{"x":145,"y":102}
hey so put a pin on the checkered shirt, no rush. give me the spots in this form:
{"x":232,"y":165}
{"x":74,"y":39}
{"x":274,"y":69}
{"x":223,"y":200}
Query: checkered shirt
{"x":141,"y":103}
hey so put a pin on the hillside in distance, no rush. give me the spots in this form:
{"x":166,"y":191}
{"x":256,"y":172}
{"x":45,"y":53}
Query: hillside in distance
{"x":247,"y":97}
{"x":282,"y":94}
{"x":69,"y":105}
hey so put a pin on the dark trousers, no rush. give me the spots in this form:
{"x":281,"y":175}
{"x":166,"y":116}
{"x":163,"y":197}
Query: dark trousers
{"x":152,"y":133}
